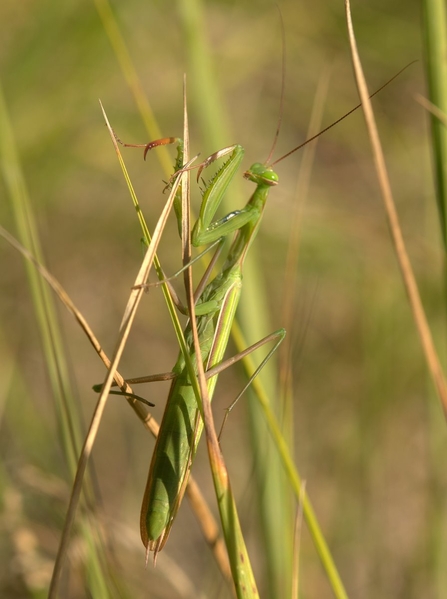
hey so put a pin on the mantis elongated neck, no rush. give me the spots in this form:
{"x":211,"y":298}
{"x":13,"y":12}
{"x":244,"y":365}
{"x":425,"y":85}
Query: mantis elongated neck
{"x":246,"y":234}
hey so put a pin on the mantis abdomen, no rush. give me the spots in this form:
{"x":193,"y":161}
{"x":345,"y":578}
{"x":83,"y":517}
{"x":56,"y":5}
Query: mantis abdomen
{"x":182,"y":425}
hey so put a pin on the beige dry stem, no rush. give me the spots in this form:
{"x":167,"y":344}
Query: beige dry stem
{"x":396,"y":232}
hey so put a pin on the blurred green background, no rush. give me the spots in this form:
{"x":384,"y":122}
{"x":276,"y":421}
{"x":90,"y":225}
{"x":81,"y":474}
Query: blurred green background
{"x":368,"y":432}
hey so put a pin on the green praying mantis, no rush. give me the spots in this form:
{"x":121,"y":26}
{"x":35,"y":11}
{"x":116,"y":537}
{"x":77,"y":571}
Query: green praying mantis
{"x":215,"y":309}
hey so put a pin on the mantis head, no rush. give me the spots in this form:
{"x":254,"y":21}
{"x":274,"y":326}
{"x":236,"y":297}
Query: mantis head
{"x":261,"y":175}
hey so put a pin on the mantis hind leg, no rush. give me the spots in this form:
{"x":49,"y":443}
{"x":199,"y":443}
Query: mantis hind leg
{"x":215,"y":370}
{"x":278,"y":335}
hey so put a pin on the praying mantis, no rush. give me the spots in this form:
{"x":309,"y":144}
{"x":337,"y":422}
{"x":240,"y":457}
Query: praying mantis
{"x":215,"y":309}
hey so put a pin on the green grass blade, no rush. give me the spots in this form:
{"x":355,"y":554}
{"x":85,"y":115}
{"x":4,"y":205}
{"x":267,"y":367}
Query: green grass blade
{"x":434,"y":26}
{"x":68,"y":414}
{"x":435,"y":51}
{"x":148,"y":238}
{"x":294,"y":478}
{"x":43,"y":303}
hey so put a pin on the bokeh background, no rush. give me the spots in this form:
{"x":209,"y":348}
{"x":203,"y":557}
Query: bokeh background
{"x":368,"y":434}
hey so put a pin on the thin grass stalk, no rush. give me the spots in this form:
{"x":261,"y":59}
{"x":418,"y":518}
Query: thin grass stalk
{"x":295,"y":592}
{"x":436,"y":61}
{"x":293,"y":477}
{"x":436,"y":544}
{"x":420,"y":319}
{"x":434,"y":29}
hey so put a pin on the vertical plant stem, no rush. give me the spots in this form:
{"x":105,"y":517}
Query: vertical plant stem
{"x":435,"y":55}
{"x":434,"y":29}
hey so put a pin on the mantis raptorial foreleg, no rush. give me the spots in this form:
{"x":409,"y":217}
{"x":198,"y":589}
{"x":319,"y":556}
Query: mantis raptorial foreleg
{"x":215,"y":370}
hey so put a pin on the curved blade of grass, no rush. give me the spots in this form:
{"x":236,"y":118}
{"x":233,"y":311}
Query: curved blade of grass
{"x":434,"y":27}
{"x":396,"y":233}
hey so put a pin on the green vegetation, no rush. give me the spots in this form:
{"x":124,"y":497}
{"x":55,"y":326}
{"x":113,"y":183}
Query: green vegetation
{"x":354,"y":397}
